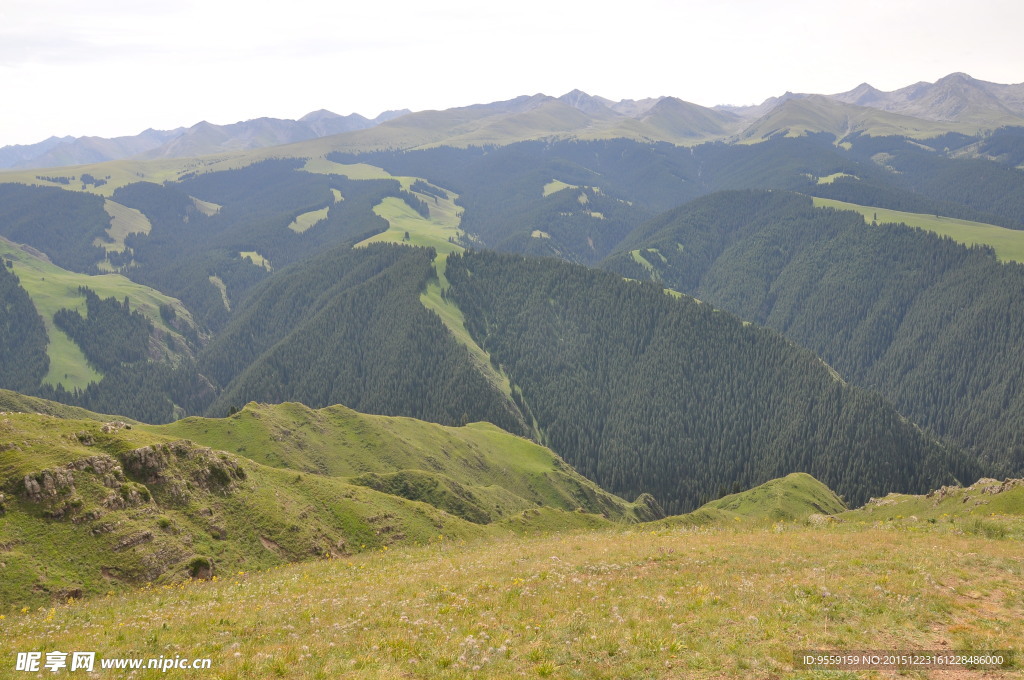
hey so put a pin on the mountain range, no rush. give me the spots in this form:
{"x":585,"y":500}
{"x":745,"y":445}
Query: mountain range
{"x":956,"y":103}
{"x":198,"y":140}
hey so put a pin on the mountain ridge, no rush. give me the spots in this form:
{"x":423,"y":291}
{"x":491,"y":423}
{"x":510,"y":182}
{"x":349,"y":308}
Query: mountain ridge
{"x":202,"y":138}
{"x":955,"y":103}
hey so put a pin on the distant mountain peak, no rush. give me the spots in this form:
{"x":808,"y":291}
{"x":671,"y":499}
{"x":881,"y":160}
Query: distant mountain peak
{"x":958,"y":76}
{"x":864,"y":94}
{"x":319,"y":114}
{"x":588,"y":103}
{"x":393,"y":113}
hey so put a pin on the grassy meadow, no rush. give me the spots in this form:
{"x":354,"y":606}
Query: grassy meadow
{"x":256,"y":259}
{"x":123,"y":221}
{"x":53,"y":288}
{"x":308,"y":220}
{"x":722,"y":602}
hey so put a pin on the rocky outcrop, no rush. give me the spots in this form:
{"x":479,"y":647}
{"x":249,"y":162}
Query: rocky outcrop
{"x":60,"y":482}
{"x":133,"y":540}
{"x":49,"y":484}
{"x":210,"y":470}
{"x":984,"y":486}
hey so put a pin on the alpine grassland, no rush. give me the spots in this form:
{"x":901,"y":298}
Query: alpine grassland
{"x":53,"y":288}
{"x":308,"y":220}
{"x":433,"y":298}
{"x":438,"y":228}
{"x":21,"y":403}
{"x":829,"y":179}
{"x":717,"y":601}
{"x":123,"y":221}
{"x":321,"y":165}
{"x":117,"y":174}
{"x":257,"y":259}
{"x":1008,"y":244}
{"x":500,"y":473}
{"x":557,"y":185}
{"x":641,"y":260}
{"x":222,"y":289}
{"x":407,"y":226}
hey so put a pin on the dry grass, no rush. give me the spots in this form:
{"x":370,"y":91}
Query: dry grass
{"x":608,"y":604}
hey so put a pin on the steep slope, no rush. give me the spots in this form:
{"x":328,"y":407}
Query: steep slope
{"x":642,"y":391}
{"x":348,"y":327}
{"x":931,"y":325}
{"x":478,"y":472}
{"x":24,"y":361}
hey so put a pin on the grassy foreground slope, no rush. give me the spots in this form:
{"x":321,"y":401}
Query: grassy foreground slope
{"x":88,"y":507}
{"x":671,"y":603}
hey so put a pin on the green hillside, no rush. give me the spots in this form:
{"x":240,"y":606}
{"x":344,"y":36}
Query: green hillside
{"x":52,"y":288}
{"x":989,"y":507}
{"x":792,"y":498}
{"x":89,"y":507}
{"x":498,"y":474}
{"x":15,"y":401}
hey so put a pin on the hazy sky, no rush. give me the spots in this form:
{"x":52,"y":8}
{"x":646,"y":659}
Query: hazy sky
{"x":116,"y":67}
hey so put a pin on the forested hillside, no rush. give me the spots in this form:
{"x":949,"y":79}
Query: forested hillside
{"x":62,"y":224}
{"x":933,"y":326}
{"x":23,"y":360}
{"x":348,"y":328}
{"x":640,"y":390}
